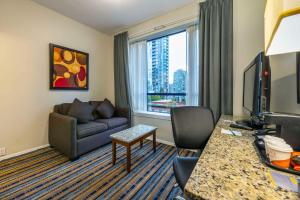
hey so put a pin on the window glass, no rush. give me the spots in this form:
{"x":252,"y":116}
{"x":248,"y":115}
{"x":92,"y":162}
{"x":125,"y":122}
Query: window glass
{"x":166,"y":72}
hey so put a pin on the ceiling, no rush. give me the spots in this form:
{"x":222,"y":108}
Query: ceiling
{"x":110,"y":16}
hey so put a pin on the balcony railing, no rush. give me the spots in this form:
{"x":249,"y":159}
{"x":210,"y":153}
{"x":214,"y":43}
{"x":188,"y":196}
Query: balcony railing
{"x":166,"y":94}
{"x":163,"y":102}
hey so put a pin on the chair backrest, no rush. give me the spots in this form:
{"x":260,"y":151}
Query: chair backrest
{"x":192,"y":126}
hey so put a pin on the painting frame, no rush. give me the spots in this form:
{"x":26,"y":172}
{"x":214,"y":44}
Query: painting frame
{"x":52,"y":71}
{"x":298,"y":76}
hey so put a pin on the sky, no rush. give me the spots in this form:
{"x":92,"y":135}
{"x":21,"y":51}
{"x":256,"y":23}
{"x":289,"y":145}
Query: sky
{"x":177,"y":53}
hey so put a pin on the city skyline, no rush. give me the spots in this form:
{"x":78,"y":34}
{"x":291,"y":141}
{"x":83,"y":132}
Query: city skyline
{"x":177,"y":53}
{"x":166,"y":58}
{"x":166,"y":73}
{"x":158,"y":66}
{"x":179,"y":82}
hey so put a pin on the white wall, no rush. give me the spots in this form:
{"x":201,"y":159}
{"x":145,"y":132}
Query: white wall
{"x":248,"y":41}
{"x":284,"y":84}
{"x":26,"y":29}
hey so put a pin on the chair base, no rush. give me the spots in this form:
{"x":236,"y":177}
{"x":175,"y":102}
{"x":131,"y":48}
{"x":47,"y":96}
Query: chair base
{"x":178,"y":198}
{"x":183,"y":167}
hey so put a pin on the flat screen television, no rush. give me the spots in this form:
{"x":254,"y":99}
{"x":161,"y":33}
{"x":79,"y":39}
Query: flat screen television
{"x":257,"y":86}
{"x":256,"y":90}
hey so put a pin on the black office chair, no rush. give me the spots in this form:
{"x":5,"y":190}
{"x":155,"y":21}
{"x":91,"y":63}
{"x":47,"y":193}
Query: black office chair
{"x":192,"y":127}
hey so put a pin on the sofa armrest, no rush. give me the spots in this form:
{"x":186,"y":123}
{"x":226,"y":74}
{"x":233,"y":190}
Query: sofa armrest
{"x":124,"y":112}
{"x":62,"y":134}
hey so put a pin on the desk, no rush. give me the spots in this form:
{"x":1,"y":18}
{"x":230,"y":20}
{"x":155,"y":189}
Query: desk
{"x":230,"y":168}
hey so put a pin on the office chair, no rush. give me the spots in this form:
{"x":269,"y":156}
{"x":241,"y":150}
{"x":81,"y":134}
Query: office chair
{"x":192,"y":127}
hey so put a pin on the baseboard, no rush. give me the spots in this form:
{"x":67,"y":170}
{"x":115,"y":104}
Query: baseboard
{"x":22,"y":152}
{"x":163,"y":141}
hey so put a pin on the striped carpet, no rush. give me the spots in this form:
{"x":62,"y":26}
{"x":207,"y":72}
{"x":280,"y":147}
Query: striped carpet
{"x":47,"y":174}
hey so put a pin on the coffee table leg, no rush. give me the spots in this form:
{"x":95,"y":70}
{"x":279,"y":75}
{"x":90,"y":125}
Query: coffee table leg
{"x":141,"y":144}
{"x":128,"y":158}
{"x":154,"y":141}
{"x":114,"y":152}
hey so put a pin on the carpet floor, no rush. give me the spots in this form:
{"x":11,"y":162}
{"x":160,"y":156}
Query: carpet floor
{"x":47,"y":174}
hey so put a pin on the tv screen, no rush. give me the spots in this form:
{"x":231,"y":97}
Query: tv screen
{"x":257,"y":85}
{"x":249,"y":84}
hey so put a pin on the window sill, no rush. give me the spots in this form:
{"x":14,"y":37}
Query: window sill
{"x":153,"y":115}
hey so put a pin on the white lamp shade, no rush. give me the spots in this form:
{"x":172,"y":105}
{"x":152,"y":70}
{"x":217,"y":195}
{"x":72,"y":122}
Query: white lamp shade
{"x":282,"y":26}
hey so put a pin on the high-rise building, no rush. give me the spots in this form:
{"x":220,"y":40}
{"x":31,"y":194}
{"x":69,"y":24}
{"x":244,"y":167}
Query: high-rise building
{"x":179,"y":81}
{"x":160,"y":65}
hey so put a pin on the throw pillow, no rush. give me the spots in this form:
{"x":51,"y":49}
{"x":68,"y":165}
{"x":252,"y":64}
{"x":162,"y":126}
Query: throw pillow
{"x":81,"y":111}
{"x":106,"y":110}
{"x":95,"y":104}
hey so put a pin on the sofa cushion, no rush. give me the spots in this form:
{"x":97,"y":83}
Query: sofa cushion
{"x":113,"y":122}
{"x":82,"y":111}
{"x":106,"y":110}
{"x":95,"y":104}
{"x":91,"y":128}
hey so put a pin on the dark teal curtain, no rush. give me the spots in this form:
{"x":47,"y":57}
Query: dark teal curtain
{"x":216,"y":56}
{"x":121,"y":69}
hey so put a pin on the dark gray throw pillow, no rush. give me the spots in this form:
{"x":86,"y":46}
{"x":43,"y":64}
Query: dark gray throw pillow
{"x":82,"y":111}
{"x":106,"y":110}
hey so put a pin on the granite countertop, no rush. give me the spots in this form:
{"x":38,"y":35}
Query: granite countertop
{"x":230,"y":168}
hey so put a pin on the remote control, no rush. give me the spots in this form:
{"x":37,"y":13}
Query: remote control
{"x":239,"y":126}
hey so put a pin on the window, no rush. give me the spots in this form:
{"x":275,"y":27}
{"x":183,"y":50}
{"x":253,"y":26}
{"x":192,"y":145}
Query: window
{"x":166,"y":72}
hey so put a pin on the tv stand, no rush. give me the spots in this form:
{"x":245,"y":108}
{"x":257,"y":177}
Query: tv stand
{"x":244,"y":122}
{"x":253,"y":122}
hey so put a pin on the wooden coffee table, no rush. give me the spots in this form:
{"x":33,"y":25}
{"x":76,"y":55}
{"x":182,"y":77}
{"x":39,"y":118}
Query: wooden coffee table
{"x":130,"y":137}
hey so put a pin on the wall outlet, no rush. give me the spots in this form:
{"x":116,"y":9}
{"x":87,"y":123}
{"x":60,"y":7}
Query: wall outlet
{"x":2,"y":151}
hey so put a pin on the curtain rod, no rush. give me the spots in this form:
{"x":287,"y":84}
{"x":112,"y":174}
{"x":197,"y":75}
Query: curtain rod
{"x":163,"y":26}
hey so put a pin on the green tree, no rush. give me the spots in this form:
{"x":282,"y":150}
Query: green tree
{"x":155,"y":98}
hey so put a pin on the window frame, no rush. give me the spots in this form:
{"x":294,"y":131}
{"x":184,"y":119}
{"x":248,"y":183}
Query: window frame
{"x":161,"y":35}
{"x":152,"y":34}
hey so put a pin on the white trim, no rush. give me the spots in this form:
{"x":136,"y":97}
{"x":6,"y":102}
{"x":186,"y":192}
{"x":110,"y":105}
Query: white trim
{"x":162,"y":141}
{"x":23,"y":152}
{"x":163,"y":27}
{"x":153,"y":115}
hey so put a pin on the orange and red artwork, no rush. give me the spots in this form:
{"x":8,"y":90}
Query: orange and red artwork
{"x":68,"y":68}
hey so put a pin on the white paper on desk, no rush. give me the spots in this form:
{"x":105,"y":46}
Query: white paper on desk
{"x":229,"y":121}
{"x":231,"y":132}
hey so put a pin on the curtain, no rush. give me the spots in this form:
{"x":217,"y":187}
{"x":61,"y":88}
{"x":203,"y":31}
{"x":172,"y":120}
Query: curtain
{"x":138,"y":75}
{"x":215,"y":56}
{"x":192,"y":89}
{"x":121,"y":71}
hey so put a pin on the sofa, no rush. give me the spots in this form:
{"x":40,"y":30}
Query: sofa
{"x":74,"y":139}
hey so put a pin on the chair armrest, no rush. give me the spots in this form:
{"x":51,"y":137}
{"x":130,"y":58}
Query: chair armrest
{"x":124,"y":112}
{"x":62,"y":134}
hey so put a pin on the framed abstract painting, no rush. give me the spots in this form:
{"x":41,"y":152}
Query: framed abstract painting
{"x":68,"y":68}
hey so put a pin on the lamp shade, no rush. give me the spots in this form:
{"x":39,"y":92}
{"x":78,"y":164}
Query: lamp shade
{"x":282,"y":26}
